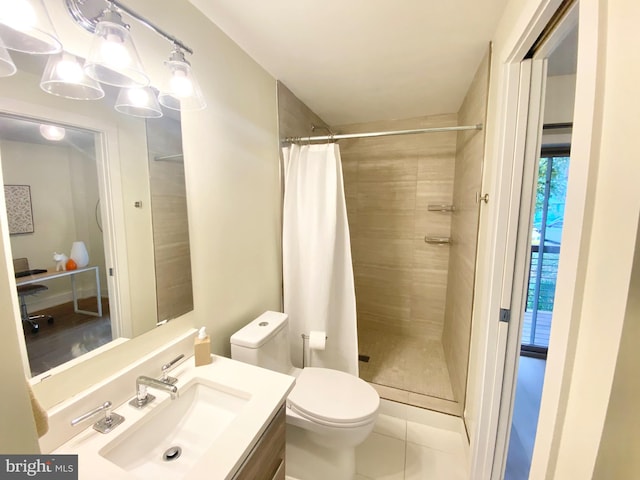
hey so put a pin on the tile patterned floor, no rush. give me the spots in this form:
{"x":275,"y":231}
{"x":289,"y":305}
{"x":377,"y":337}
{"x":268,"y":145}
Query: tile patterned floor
{"x":411,"y":444}
{"x":406,"y":363}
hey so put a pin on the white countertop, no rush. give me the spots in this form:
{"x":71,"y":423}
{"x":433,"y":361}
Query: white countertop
{"x":268,"y":390}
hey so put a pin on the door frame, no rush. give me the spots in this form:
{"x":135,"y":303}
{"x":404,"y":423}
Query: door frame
{"x":499,"y":238}
{"x":107,"y":153}
{"x":533,"y":78}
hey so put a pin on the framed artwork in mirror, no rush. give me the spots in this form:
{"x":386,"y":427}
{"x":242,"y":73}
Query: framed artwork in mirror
{"x":19,"y":210}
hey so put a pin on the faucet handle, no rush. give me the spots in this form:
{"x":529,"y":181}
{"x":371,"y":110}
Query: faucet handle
{"x":109,"y":422}
{"x":167,"y":366}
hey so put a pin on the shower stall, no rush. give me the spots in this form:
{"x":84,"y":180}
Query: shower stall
{"x":413,"y":204}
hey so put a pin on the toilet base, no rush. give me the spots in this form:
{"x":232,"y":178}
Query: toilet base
{"x":305,"y":460}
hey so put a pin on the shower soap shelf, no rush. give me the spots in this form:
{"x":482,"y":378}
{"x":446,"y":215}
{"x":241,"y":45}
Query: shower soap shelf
{"x":437,"y":240}
{"x":441,"y":208}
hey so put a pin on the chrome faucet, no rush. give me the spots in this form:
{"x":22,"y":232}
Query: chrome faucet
{"x":143,"y":397}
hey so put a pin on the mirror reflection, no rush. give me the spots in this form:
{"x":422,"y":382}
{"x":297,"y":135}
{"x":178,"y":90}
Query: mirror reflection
{"x":172,"y":255}
{"x":115,"y":191}
{"x":52,"y":202}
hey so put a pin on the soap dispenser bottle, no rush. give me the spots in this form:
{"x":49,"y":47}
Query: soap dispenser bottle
{"x":202,"y":348}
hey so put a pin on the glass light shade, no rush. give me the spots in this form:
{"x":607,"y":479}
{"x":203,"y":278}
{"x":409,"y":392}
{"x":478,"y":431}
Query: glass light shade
{"x":138,"y":102}
{"x":7,"y":67}
{"x":113,"y":58}
{"x":52,"y":132}
{"x":181,"y":91}
{"x":79,"y":254}
{"x":25,"y":26}
{"x":63,"y":76}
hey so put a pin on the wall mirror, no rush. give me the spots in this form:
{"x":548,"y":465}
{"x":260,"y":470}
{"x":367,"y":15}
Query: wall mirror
{"x":114,"y":182}
{"x":172,"y":255}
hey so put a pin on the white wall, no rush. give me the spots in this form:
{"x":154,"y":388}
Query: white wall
{"x":618,"y":453}
{"x":232,"y":172}
{"x":17,"y":427}
{"x":559,"y":99}
{"x":64,"y":191}
{"x":46,"y":170}
{"x":559,"y":102}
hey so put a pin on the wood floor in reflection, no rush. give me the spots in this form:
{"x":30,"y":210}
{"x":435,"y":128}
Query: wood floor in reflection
{"x":69,"y":336}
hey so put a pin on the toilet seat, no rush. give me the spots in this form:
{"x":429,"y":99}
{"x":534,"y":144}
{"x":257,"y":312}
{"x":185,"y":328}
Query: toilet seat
{"x":333,"y":398}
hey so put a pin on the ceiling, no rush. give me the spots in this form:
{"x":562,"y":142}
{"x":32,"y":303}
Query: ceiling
{"x":17,"y":129}
{"x":364,"y":60}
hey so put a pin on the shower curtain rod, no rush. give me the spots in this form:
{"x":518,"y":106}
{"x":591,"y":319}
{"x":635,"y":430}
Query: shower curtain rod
{"x":344,"y":136}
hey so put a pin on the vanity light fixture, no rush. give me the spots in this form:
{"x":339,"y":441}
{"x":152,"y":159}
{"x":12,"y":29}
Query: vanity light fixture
{"x":113,"y":58}
{"x":139,"y":102}
{"x":181,"y":91}
{"x":52,"y":132}
{"x":64,"y":76}
{"x":25,"y":26}
{"x":7,"y":67}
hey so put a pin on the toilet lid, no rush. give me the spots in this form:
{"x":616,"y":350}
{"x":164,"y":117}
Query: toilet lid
{"x":333,"y":396}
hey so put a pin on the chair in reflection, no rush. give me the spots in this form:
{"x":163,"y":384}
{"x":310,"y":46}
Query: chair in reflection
{"x":21,"y":269}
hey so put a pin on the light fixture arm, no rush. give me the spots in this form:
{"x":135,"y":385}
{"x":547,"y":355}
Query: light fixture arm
{"x":79,"y":11}
{"x":151,"y":26}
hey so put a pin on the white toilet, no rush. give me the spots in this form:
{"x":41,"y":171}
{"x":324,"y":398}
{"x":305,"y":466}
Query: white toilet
{"x":329,"y":412}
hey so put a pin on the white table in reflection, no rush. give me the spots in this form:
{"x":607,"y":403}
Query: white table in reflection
{"x":43,"y":277}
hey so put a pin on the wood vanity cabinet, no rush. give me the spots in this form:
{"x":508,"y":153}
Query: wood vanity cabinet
{"x":266,"y":460}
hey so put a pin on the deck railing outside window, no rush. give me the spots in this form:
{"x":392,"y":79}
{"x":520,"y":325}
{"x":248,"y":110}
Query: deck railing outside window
{"x":545,"y":249}
{"x":542,"y":284}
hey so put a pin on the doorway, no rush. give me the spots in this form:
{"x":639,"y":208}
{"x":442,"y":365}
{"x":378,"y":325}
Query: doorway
{"x":543,"y":225}
{"x":577,"y":300}
{"x":546,"y":238}
{"x":64,"y":307}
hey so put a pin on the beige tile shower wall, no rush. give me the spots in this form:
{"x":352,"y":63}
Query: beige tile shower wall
{"x":464,"y":232}
{"x":172,"y":254}
{"x":294,"y":117}
{"x":400,"y":280}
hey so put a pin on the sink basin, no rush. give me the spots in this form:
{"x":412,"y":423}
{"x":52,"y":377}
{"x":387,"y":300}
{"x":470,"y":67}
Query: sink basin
{"x":169,"y":440}
{"x":223,"y":410}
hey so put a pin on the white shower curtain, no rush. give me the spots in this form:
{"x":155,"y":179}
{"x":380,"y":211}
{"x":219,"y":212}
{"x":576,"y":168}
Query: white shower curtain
{"x":319,"y":291}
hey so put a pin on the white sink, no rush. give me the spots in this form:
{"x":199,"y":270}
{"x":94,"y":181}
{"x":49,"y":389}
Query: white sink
{"x":222,"y":411}
{"x":169,"y":440}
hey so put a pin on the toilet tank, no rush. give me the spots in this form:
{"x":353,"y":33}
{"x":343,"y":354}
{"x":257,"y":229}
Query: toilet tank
{"x":264,"y":342}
